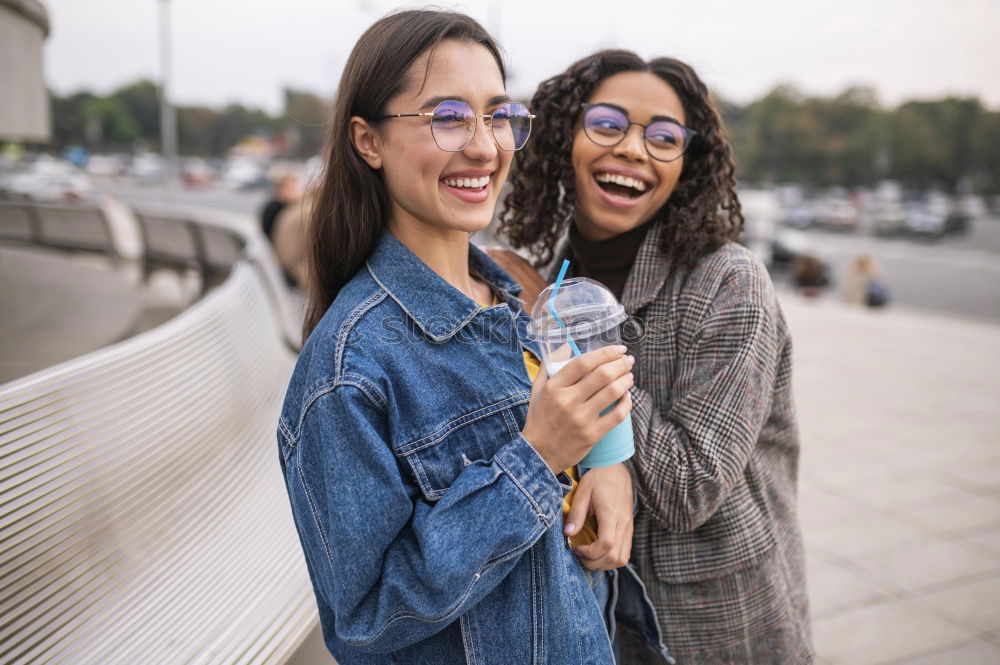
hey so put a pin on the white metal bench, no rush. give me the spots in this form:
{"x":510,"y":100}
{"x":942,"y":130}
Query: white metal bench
{"x":143,"y":516}
{"x":73,"y":228}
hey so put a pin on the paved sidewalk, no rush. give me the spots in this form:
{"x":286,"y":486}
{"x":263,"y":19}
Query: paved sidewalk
{"x":55,"y":308}
{"x":900,"y":483}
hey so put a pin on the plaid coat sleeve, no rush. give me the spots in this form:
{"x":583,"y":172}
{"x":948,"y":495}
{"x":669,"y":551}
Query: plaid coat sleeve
{"x":690,"y":457}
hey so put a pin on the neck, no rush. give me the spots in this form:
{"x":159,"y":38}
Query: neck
{"x":445,"y":251}
{"x":607,"y":260}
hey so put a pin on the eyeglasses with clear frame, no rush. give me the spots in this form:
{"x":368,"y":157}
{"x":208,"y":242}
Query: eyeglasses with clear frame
{"x":665,"y":139}
{"x":454,"y":123}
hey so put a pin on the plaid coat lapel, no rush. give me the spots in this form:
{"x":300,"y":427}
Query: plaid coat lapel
{"x":649,"y":272}
{"x":644,"y":281}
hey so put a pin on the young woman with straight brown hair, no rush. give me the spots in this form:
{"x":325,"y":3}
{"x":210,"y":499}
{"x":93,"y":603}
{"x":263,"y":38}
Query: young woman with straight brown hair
{"x":426,"y":471}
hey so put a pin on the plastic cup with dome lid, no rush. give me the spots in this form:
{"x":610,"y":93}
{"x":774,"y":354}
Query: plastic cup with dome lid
{"x":572,"y":317}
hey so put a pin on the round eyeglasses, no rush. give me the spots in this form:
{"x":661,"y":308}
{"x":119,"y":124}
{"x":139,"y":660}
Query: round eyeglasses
{"x":665,"y":140}
{"x":453,"y":124}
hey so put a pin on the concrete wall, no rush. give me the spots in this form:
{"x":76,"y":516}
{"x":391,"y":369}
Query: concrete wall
{"x":24,"y":104}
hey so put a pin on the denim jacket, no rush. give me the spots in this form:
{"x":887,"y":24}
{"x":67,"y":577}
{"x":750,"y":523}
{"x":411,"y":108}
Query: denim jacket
{"x":431,"y":528}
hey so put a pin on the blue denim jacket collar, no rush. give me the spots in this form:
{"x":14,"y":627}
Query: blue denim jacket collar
{"x":408,"y":280}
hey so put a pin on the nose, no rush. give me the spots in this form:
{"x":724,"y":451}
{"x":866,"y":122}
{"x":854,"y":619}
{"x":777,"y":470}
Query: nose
{"x":482,"y":147}
{"x":632,"y":146}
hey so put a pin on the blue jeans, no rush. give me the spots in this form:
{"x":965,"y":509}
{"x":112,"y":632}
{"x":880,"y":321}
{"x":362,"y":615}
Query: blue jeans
{"x":621,"y":596}
{"x":602,"y":587}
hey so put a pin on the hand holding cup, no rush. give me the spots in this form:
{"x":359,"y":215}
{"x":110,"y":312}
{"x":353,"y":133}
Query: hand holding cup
{"x":569,"y":411}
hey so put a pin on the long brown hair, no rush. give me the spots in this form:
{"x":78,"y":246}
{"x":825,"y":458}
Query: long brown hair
{"x":351,"y":203}
{"x":702,"y":212}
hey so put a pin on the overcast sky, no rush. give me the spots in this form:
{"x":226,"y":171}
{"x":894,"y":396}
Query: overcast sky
{"x":247,"y":50}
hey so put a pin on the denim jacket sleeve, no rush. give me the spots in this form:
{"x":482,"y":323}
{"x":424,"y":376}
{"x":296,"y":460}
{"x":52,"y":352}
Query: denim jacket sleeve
{"x":394,"y":567}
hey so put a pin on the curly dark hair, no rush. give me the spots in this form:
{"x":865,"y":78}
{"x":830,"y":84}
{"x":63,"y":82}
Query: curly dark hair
{"x":702,"y":213}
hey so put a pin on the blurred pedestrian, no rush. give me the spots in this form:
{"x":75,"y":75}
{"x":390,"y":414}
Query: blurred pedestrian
{"x":810,"y":275}
{"x":289,"y":240}
{"x":865,"y":283}
{"x":287,"y":189}
{"x":630,"y":175}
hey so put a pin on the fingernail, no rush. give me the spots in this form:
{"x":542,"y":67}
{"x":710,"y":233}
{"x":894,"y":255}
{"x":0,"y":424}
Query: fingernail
{"x":631,"y":375}
{"x":631,"y":360}
{"x":569,"y":529}
{"x":621,"y":348}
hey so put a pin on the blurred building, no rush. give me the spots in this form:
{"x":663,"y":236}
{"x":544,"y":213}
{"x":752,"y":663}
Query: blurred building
{"x":24,"y":103}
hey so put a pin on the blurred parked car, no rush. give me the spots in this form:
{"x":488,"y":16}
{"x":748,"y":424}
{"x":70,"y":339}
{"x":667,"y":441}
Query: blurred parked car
{"x":993,"y":206}
{"x":787,"y":245}
{"x":934,"y":214}
{"x":956,"y":221}
{"x":107,"y":165}
{"x":924,"y":218}
{"x":884,"y":217}
{"x":973,"y":207}
{"x":243,"y":173}
{"x":47,"y":179}
{"x":837,"y":214}
{"x":197,"y":173}
{"x":147,"y":168}
{"x":801,"y":215}
{"x":963,"y":210}
{"x":761,"y":212}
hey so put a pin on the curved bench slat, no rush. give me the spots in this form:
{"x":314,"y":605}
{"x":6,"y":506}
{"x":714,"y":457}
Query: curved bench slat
{"x":143,"y":514}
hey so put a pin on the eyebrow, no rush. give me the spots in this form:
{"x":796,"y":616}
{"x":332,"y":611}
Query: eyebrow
{"x":655,"y":118}
{"x":434,"y":101}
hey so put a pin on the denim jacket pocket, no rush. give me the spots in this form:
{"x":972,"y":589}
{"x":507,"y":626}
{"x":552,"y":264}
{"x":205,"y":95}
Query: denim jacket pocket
{"x":440,"y":456}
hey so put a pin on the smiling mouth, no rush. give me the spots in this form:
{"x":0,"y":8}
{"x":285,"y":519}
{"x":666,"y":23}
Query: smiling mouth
{"x":468,"y":184}
{"x":619,"y":185}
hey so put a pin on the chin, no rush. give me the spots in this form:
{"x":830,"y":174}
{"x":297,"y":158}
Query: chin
{"x":469,"y":224}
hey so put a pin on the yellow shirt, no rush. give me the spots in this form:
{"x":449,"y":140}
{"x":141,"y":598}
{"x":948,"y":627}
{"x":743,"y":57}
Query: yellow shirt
{"x":588,"y":533}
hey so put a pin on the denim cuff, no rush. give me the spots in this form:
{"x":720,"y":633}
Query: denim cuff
{"x":533,"y":477}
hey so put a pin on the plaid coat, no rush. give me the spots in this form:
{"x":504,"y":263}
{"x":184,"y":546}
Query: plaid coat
{"x":717,"y":539}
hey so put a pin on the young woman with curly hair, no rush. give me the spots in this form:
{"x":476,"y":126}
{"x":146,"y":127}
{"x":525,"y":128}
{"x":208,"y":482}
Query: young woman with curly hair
{"x":631,"y":177}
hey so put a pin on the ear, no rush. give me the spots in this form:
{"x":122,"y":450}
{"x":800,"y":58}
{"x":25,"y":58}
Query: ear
{"x":365,"y":142}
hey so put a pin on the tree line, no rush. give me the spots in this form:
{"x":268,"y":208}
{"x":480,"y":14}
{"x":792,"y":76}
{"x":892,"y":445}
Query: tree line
{"x":129,"y":118}
{"x":849,"y":139}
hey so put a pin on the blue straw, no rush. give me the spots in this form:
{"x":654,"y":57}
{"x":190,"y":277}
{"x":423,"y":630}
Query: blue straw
{"x":552,"y":307}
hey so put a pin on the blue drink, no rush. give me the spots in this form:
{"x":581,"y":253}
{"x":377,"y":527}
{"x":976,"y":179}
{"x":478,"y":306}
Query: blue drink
{"x":582,"y":316}
{"x":616,"y":446}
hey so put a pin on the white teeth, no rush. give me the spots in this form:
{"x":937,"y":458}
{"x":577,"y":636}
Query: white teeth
{"x":624,"y":181}
{"x":472,"y":183}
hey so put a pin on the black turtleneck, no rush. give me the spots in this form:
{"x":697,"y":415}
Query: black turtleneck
{"x":607,"y":261}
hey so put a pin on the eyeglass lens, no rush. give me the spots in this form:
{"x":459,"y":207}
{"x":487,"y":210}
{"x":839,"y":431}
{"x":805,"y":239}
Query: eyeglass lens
{"x":454,"y":124}
{"x":607,"y":126}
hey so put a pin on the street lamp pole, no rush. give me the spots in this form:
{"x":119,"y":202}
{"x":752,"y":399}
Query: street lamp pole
{"x":168,"y":118}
